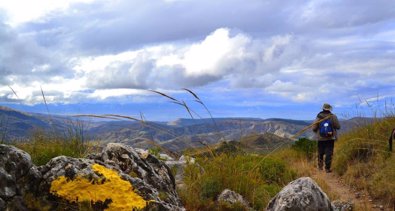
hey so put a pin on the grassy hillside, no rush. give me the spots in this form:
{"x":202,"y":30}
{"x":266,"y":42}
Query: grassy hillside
{"x":362,"y":158}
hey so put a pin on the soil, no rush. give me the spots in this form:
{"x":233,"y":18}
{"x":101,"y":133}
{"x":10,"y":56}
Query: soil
{"x":361,"y":199}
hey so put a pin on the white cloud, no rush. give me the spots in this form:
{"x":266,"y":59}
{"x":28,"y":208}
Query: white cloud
{"x":217,"y":53}
{"x":297,"y":50}
{"x":107,"y":93}
{"x":21,"y":11}
{"x":288,"y":66}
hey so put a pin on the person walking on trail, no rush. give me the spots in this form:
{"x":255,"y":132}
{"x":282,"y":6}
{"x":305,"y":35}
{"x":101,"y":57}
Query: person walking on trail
{"x":326,"y":128}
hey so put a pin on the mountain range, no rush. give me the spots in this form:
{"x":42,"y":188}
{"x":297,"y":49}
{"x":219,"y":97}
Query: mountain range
{"x":175,"y":135}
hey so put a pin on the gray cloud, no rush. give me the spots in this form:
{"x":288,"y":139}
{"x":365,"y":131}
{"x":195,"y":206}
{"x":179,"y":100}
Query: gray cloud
{"x":295,"y":49}
{"x":23,"y":60}
{"x":104,"y":27}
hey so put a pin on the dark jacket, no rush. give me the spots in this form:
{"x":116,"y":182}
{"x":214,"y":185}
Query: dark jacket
{"x":335,"y":125}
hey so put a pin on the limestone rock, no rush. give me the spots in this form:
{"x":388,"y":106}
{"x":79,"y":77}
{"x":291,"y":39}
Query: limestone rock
{"x":18,"y":176}
{"x":232,"y":198}
{"x":116,"y":178}
{"x":301,"y":194}
{"x":148,"y":172}
{"x":187,"y":159}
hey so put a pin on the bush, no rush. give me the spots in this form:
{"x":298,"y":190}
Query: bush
{"x":275,"y":171}
{"x":306,"y":146}
{"x":211,"y":188}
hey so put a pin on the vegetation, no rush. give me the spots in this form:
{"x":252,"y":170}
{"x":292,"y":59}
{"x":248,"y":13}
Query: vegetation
{"x":306,"y":146}
{"x":361,"y":158}
{"x":255,"y":177}
{"x":364,"y":161}
{"x":43,"y":146}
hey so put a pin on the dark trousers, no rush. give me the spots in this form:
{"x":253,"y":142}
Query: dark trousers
{"x":325,"y":148}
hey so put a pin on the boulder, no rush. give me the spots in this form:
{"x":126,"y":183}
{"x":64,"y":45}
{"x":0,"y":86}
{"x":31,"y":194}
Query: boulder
{"x":302,"y":194}
{"x":151,"y":171}
{"x":115,"y":179}
{"x":18,"y":176}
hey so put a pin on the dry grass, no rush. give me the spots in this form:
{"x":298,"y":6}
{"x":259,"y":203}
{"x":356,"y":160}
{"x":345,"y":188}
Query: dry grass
{"x":43,"y":146}
{"x":364,"y":161}
{"x":204,"y":182}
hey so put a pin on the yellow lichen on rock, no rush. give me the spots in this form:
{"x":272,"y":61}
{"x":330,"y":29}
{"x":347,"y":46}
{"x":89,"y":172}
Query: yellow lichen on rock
{"x":111,"y":187}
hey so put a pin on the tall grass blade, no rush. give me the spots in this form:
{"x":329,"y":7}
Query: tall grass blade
{"x":45,"y":100}
{"x":194,"y":94}
{"x":13,"y":91}
{"x":198,"y":100}
{"x":165,"y":95}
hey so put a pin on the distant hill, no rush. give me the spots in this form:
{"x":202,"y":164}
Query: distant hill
{"x":175,"y":135}
{"x":263,"y":142}
{"x":17,"y":125}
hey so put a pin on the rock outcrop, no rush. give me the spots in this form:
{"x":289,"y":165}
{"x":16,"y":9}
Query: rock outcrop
{"x":18,"y":178}
{"x":118,"y":178}
{"x":301,"y":194}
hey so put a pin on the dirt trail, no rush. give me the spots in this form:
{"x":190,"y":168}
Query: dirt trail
{"x":361,"y":200}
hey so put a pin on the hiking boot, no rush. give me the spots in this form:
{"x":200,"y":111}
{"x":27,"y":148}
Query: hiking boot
{"x":328,"y":170}
{"x":320,"y":168}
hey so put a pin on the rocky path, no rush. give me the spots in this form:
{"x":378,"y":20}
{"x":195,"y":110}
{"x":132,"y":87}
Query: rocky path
{"x":360,"y":199}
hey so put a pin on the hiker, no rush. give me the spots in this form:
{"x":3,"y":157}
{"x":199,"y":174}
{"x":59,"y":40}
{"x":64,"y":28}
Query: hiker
{"x":392,"y":137}
{"x":326,"y":130}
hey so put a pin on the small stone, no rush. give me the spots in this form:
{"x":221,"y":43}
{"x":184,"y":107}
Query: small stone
{"x":357,"y":195}
{"x":124,"y":156}
{"x":339,"y":205}
{"x":381,"y":207}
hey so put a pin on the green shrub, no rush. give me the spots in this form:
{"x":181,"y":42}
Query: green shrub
{"x":211,"y":188}
{"x":306,"y":146}
{"x":275,"y":171}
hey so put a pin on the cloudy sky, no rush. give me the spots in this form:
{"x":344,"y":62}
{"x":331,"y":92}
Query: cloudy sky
{"x":255,"y":58}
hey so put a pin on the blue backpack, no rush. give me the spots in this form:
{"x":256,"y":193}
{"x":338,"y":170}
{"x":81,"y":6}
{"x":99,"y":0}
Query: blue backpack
{"x":326,"y":129}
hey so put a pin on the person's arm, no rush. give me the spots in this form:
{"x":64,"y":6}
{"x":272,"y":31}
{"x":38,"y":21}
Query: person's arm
{"x":336,"y":123}
{"x":315,"y":126}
